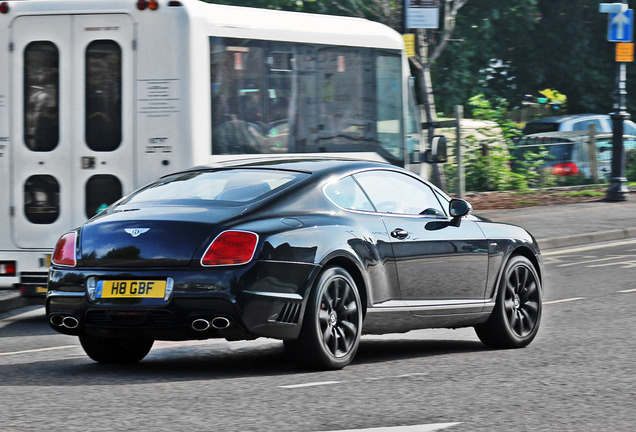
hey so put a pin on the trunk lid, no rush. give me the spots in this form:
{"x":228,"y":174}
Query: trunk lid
{"x":155,"y":236}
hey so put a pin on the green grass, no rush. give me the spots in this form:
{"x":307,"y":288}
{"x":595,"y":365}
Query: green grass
{"x":582,"y":193}
{"x":527,"y":202}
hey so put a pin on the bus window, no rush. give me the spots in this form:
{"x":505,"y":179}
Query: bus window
{"x":346,"y":87}
{"x":103,"y":95}
{"x":389,"y":104}
{"x":101,"y":191}
{"x":275,"y":97}
{"x":41,"y":199}
{"x":41,"y":87}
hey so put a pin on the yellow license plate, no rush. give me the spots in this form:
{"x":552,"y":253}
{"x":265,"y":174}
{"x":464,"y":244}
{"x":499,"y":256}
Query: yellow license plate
{"x":131,"y":289}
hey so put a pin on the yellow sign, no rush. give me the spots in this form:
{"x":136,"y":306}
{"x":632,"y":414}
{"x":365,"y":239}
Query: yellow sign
{"x":624,"y":52}
{"x":409,"y":42}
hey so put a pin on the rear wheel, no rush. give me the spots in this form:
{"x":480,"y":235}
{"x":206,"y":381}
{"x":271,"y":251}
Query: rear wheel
{"x":116,"y":350}
{"x":515,"y":320}
{"x":332,"y":325}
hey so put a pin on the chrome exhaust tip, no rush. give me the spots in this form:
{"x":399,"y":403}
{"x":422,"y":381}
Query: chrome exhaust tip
{"x":57,"y":320}
{"x":70,"y":322}
{"x":220,"y":323}
{"x":200,"y":324}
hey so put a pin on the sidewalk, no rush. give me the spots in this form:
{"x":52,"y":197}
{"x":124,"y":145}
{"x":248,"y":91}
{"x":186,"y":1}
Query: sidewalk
{"x":574,"y":224}
{"x":553,"y":226}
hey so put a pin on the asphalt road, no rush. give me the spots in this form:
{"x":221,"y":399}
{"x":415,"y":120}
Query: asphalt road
{"x":576,"y":376}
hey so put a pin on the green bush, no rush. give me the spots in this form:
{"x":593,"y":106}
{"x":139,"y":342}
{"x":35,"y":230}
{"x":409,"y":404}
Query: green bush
{"x":630,"y":171}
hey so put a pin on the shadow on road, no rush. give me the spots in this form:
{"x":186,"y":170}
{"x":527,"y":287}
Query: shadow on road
{"x":213,"y":362}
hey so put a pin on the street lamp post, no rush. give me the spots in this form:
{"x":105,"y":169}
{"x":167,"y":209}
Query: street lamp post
{"x":618,"y":190}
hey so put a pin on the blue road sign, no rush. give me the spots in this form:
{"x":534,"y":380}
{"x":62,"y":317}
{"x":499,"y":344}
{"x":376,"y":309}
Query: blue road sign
{"x":621,"y":26}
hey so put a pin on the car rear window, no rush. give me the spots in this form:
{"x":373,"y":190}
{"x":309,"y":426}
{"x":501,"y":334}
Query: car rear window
{"x":555,"y":152}
{"x":235,"y":185}
{"x":540,"y":127}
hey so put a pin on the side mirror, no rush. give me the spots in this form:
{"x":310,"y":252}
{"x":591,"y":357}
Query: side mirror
{"x":458,"y":208}
{"x":438,"y":152}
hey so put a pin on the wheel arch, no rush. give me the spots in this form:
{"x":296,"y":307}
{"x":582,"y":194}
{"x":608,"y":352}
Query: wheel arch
{"x":354,"y":270}
{"x":532,"y":257}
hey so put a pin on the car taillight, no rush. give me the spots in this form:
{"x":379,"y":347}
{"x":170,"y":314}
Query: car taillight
{"x":64,"y":253}
{"x":230,"y":248}
{"x":565,"y":169}
{"x":7,"y":268}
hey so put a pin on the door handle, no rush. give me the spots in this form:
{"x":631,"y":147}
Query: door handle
{"x":399,"y":233}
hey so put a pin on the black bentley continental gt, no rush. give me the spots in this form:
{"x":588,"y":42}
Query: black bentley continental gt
{"x":314,"y":252}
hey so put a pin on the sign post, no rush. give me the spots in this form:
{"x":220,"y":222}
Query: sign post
{"x":620,"y":29}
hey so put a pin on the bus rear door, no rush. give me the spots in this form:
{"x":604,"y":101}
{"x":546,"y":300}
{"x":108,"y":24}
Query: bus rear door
{"x":72,"y":92}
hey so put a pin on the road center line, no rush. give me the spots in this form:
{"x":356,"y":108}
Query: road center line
{"x":39,"y":350}
{"x":564,"y":300}
{"x":314,"y":384}
{"x":627,"y":291}
{"x":415,"y":428}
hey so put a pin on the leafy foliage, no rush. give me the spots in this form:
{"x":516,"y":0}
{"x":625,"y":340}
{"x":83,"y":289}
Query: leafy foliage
{"x":518,"y":47}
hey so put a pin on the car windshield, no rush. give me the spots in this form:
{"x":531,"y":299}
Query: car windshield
{"x":235,"y":185}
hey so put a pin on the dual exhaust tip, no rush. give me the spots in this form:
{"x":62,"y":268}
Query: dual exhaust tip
{"x":203,"y":324}
{"x":68,"y":321}
{"x":199,"y":324}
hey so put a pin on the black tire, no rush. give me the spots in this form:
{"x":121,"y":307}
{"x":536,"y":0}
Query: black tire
{"x":116,"y":350}
{"x":517,"y":314}
{"x":332,"y":325}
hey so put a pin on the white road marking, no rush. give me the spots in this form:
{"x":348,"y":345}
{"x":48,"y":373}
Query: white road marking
{"x":624,"y":264}
{"x":596,"y":260}
{"x":313,"y":384}
{"x":587,"y":248}
{"x":627,"y":291}
{"x":39,"y":350}
{"x":564,"y":300}
{"x":415,"y":428}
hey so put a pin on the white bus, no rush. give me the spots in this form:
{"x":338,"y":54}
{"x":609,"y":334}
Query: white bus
{"x":99,"y":97}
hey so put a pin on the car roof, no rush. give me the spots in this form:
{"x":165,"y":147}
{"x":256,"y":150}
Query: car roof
{"x":566,"y":135}
{"x":307,"y":164}
{"x":567,"y":117}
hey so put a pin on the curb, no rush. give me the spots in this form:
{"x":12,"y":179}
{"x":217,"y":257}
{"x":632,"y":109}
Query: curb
{"x":587,"y":238}
{"x":15,"y":301}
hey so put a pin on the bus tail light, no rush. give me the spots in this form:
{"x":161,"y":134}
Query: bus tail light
{"x":4,"y":7}
{"x":65,"y":250}
{"x":153,"y":4}
{"x":230,"y":248}
{"x":565,"y":169}
{"x":7,"y":268}
{"x":142,"y":4}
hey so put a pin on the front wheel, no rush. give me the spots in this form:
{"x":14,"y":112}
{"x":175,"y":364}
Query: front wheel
{"x":116,"y":350}
{"x":515,"y":319}
{"x":332,"y":325}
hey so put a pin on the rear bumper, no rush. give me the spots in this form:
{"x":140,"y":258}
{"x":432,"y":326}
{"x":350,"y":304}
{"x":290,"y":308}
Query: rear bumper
{"x":270,"y":306}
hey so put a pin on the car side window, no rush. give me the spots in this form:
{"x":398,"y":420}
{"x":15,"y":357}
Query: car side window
{"x":584,"y":125}
{"x":394,"y":192}
{"x":347,"y":194}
